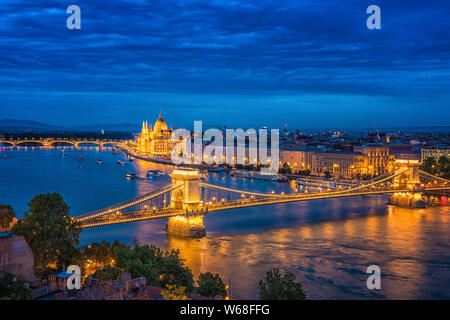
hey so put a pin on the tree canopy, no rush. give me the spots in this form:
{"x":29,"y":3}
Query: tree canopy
{"x":160,"y":268}
{"x":6,"y":216}
{"x":440,"y":168}
{"x":13,"y":287}
{"x":274,"y":286}
{"x":49,"y":230}
{"x":210,"y":285}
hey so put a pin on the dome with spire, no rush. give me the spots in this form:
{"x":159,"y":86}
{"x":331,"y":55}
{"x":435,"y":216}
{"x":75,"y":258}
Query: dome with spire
{"x":160,"y":124}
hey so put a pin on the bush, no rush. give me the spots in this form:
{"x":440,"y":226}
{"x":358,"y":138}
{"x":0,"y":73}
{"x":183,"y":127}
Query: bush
{"x":13,"y":288}
{"x":210,"y":285}
{"x":277,"y":287}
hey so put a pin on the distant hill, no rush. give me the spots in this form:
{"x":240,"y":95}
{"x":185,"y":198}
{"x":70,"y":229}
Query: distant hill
{"x":128,"y":127}
{"x":14,"y":125}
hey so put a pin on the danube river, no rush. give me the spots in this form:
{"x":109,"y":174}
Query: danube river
{"x":328,"y":244}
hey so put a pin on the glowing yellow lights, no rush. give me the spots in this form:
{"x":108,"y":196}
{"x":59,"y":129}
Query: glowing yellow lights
{"x":185,"y":172}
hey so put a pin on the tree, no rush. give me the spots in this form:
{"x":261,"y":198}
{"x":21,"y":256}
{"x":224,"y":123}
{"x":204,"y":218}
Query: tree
{"x":13,"y":288}
{"x":327,"y":174}
{"x":210,"y":285}
{"x":107,"y":274}
{"x":285,"y":169}
{"x":160,"y":268}
{"x":429,"y":165}
{"x":306,"y":172}
{"x":277,"y":287}
{"x":6,"y":216}
{"x":440,"y":168}
{"x":49,"y":230}
{"x":443,"y":167}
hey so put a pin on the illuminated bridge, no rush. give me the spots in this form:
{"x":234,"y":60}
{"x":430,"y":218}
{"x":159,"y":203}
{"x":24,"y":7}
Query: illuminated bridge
{"x":188,"y":199}
{"x":51,"y":142}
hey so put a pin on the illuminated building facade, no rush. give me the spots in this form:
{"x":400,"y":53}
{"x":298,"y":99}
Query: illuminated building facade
{"x":377,"y":158}
{"x":369,"y":160}
{"x":435,"y":152}
{"x":156,"y":141}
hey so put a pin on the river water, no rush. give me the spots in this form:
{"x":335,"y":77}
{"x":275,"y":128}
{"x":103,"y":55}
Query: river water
{"x":327,"y":244}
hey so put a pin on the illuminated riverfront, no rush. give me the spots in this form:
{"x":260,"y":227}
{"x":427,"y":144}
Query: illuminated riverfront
{"x":324,"y":242}
{"x":224,"y":150}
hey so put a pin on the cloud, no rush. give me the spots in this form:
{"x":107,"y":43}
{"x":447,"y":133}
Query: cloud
{"x":252,"y":47}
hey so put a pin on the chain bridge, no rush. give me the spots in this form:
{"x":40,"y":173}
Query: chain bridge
{"x":187,"y":199}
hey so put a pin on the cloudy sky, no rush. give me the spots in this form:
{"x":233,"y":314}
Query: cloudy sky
{"x":243,"y":63}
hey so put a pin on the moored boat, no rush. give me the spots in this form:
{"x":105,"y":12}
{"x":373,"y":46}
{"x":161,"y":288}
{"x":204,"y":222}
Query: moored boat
{"x":154,"y":173}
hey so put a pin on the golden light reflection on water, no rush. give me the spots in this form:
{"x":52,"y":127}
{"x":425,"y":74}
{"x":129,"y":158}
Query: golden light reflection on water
{"x":330,"y":258}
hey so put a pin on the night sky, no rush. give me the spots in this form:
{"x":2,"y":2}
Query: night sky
{"x":307,"y":63}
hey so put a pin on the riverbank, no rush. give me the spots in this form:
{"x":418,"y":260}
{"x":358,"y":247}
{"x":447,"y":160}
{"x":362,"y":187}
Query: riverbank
{"x":170,"y":163}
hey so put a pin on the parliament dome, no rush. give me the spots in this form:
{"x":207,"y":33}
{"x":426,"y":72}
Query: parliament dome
{"x":160,"y":124}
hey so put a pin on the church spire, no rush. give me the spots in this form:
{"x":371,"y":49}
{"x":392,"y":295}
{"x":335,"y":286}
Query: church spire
{"x":160,"y":114}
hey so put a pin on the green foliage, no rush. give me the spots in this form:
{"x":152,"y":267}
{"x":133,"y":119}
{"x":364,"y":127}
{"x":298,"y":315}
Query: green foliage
{"x":173,"y":293}
{"x":6,"y":216}
{"x":98,"y":252}
{"x":13,"y":288}
{"x":160,"y":268}
{"x":210,"y":285}
{"x":285,"y":169}
{"x":49,"y":230}
{"x":304,"y":172}
{"x":107,"y":274}
{"x":327,"y":174}
{"x":277,"y":287}
{"x":439,"y":168}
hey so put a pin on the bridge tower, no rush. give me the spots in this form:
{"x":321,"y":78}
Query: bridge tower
{"x":409,"y":179}
{"x":187,"y":199}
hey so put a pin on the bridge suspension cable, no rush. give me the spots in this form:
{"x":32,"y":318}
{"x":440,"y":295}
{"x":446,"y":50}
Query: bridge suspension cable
{"x":436,"y":178}
{"x":129,"y":203}
{"x":256,"y":194}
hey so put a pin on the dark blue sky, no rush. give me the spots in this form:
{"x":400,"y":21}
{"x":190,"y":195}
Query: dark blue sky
{"x":249,"y":63}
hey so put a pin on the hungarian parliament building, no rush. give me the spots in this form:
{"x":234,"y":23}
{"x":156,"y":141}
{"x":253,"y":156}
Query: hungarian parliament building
{"x":155,"y":141}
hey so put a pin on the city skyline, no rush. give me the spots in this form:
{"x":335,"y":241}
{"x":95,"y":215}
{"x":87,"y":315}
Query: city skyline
{"x":248,"y":63}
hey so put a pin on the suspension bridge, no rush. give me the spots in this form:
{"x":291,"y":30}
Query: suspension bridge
{"x":187,"y":199}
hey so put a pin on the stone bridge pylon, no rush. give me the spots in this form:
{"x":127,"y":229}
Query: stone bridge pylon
{"x":187,"y":198}
{"x":409,"y":174}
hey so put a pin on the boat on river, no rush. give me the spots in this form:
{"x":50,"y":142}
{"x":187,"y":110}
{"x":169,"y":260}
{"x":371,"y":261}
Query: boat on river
{"x":154,"y":173}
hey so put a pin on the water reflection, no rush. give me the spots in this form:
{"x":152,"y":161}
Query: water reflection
{"x":328,"y":244}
